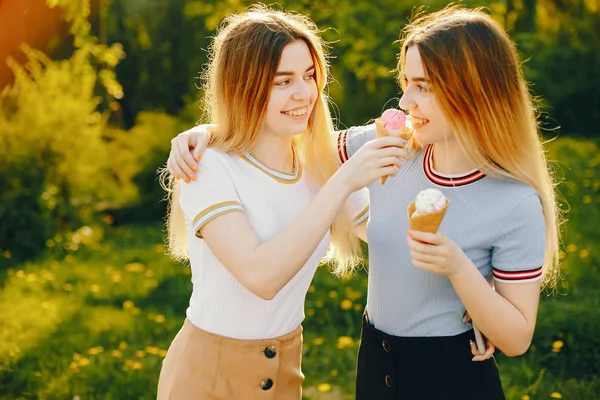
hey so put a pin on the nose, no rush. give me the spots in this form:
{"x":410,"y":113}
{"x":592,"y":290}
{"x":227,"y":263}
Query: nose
{"x":406,"y":102}
{"x":302,"y":91}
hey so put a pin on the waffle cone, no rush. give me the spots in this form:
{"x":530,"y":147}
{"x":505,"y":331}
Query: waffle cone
{"x":427,"y":222}
{"x":382,"y":132}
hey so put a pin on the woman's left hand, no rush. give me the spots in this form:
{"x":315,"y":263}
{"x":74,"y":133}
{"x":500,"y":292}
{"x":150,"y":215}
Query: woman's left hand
{"x":490,"y":349}
{"x":436,"y":253}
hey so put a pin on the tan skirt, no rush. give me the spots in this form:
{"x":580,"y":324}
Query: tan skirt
{"x":203,"y":366}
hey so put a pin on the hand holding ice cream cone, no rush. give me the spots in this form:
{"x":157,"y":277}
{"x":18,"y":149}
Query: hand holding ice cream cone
{"x":427,"y":211}
{"x":392,"y":123}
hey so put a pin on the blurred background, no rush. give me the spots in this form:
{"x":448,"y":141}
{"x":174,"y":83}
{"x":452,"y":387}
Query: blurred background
{"x":92,"y":91}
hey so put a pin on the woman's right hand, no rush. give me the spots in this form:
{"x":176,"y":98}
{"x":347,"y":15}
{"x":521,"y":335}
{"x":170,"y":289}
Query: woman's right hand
{"x":376,"y":159}
{"x":186,"y":149}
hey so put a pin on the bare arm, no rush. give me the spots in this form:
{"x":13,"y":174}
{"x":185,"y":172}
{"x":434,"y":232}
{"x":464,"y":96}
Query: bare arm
{"x":507,"y":315}
{"x":264,"y":268}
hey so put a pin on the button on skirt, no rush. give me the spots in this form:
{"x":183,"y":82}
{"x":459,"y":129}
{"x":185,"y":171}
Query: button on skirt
{"x":203,"y":365}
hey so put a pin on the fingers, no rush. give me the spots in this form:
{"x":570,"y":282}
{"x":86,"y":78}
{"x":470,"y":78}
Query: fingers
{"x":489,"y":351}
{"x":427,"y":237}
{"x":424,"y":258}
{"x":174,"y":169}
{"x":387,"y":142}
{"x":180,"y":158}
{"x":201,"y":145}
{"x":390,"y":161}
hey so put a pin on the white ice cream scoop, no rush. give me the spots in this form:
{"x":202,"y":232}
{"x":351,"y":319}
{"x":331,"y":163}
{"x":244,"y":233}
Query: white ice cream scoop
{"x":428,"y":201}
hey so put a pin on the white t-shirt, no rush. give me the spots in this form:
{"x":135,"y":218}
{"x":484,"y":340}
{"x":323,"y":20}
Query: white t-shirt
{"x":271,"y":200}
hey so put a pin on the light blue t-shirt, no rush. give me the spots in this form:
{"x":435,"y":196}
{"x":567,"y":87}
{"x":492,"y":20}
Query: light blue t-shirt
{"x":498,"y":223}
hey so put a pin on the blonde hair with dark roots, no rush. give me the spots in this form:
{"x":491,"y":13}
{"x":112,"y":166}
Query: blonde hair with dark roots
{"x":475,"y":73}
{"x":243,"y":61}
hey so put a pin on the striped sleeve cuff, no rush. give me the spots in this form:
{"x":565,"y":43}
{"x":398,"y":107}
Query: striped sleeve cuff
{"x":517,"y":276}
{"x":342,"y":151}
{"x":362,"y":216}
{"x":214,"y":211}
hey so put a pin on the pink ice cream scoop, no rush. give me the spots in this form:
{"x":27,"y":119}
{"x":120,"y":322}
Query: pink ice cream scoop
{"x":394,"y":121}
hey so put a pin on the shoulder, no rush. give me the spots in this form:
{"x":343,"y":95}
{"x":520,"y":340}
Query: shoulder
{"x":511,"y":194}
{"x":214,"y":158}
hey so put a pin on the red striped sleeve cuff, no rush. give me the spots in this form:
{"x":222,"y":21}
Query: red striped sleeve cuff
{"x":517,"y":276}
{"x":342,"y":152}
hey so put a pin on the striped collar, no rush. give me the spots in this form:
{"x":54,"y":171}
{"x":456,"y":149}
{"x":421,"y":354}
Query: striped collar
{"x":447,"y":180}
{"x":279,"y":176}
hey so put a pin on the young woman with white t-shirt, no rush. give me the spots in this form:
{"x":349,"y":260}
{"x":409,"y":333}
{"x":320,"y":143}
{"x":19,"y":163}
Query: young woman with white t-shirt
{"x":269,"y":201}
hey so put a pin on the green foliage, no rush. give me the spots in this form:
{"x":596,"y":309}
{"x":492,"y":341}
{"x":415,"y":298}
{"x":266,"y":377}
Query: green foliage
{"x":53,"y":158}
{"x":560,"y":40}
{"x":137,"y":156}
{"x":97,"y":324}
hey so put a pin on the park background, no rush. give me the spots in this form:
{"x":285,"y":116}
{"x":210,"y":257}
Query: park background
{"x":92,"y":93}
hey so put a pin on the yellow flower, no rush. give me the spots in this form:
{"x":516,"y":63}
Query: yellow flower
{"x":346,"y":304}
{"x":318,"y":341}
{"x":344,"y":341}
{"x":557,"y":345}
{"x":84,"y":361}
{"x":311,"y":289}
{"x":20,"y":274}
{"x":310,"y":312}
{"x":116,"y":354}
{"x":149,"y":273}
{"x":135,"y":267}
{"x":587,"y":199}
{"x":127,"y":304}
{"x":95,"y":350}
{"x":333,"y":294}
{"x":583,"y":253}
{"x":324,"y":387}
{"x":122,"y":346}
{"x":162,"y":353}
{"x":67,"y":287}
{"x":136,"y":365}
{"x":117,"y":278}
{"x":140,"y":353}
{"x":556,"y":395}
{"x":334,"y":373}
{"x":571,"y":247}
{"x":525,"y":397}
{"x":95,"y":288}
{"x":159,"y":319}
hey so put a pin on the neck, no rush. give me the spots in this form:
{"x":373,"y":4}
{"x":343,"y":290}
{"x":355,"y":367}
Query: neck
{"x":449,"y":159}
{"x":275,"y":153}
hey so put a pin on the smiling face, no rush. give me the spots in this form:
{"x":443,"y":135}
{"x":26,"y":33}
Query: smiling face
{"x":430,"y":123}
{"x":293,"y":93}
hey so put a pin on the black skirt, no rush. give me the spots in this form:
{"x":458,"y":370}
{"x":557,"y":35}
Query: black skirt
{"x":422,"y":368}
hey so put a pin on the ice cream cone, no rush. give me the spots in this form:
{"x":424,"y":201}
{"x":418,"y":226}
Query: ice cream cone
{"x":429,"y":222}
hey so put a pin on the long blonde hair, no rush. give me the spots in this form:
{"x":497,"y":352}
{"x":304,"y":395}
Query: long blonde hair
{"x":474,"y":69}
{"x":242,"y":64}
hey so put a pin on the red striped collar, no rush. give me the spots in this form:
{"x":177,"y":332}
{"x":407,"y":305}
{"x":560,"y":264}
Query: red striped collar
{"x":445,"y":180}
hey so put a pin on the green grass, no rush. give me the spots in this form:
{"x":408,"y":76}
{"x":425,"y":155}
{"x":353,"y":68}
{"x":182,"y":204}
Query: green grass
{"x":96,"y":323}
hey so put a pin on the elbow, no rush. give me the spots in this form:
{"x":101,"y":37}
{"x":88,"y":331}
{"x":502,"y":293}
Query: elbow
{"x":264,"y":294}
{"x":260,"y":288}
{"x":517,"y":349}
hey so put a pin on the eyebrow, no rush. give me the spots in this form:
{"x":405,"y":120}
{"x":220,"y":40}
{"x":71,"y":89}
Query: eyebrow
{"x":281,"y":73}
{"x":417,"y":79}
